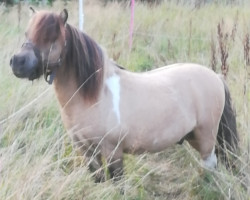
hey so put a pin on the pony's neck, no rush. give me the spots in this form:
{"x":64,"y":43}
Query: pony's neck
{"x":67,"y":90}
{"x":66,"y":87}
{"x":84,"y":70}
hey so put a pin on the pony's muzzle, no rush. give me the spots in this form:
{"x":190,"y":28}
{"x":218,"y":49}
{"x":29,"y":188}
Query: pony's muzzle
{"x":18,"y":63}
{"x":25,"y":65}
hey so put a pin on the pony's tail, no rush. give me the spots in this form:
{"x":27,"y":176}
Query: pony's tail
{"x":227,"y":136}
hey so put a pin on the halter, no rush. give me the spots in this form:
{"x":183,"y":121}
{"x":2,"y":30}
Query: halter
{"x":48,"y":67}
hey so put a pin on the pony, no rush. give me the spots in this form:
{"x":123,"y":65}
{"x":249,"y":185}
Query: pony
{"x":108,"y":110}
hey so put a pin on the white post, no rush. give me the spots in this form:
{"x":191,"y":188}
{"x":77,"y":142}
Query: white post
{"x":81,"y":15}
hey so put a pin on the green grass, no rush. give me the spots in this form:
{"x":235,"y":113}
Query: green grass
{"x":37,"y":159}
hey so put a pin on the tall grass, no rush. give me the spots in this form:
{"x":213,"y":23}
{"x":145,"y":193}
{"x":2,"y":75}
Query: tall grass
{"x":37,"y":160}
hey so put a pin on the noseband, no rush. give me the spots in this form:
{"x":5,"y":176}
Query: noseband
{"x":48,"y":67}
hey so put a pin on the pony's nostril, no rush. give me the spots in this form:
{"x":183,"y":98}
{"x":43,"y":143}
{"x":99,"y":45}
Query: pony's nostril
{"x":21,"y":61}
{"x":17,"y":61}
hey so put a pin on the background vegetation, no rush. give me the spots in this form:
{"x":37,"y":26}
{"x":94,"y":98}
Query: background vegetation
{"x":37,"y":160}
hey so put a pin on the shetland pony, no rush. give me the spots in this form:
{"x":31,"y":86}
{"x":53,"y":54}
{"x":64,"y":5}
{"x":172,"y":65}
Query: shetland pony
{"x":109,"y":111}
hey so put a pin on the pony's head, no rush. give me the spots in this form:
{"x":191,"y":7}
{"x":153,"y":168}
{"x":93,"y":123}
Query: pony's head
{"x":44,"y":46}
{"x":45,"y":51}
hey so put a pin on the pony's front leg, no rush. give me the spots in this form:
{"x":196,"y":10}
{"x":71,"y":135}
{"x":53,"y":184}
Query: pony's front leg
{"x":115,"y":163}
{"x":116,"y":169}
{"x":96,"y":166}
{"x":93,"y":158}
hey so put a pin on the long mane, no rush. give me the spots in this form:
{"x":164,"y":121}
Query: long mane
{"x":86,"y":58}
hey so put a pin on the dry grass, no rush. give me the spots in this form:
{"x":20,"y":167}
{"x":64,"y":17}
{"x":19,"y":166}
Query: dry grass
{"x":37,"y":160}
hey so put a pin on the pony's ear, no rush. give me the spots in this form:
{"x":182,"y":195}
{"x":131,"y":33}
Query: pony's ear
{"x":33,"y":10}
{"x":64,"y":16}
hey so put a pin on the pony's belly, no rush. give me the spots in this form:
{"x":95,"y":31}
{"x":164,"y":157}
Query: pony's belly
{"x":152,"y":141}
{"x":150,"y":147}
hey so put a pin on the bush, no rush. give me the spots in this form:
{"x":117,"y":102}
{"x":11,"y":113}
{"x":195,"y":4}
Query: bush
{"x":12,"y":2}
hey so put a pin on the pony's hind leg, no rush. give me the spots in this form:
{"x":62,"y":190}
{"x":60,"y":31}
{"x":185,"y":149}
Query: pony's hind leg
{"x":204,"y":142}
{"x":211,"y":161}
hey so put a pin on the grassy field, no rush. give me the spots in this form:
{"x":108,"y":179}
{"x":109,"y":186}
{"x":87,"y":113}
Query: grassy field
{"x":37,"y":160}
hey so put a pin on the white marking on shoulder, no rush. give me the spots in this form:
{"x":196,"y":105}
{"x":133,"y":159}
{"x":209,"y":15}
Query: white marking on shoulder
{"x":113,"y":84}
{"x":211,"y":161}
